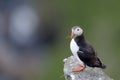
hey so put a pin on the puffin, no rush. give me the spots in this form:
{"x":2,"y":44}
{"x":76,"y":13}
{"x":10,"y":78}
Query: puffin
{"x":83,"y":51}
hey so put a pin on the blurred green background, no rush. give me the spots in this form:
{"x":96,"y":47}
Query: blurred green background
{"x":51,"y":20}
{"x":100,"y":20}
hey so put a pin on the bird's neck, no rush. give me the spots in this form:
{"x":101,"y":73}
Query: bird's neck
{"x":80,"y":40}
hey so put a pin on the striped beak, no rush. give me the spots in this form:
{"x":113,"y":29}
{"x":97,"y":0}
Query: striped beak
{"x":72,"y":35}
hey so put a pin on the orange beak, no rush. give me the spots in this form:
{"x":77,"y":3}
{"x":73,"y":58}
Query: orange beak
{"x":72,"y":35}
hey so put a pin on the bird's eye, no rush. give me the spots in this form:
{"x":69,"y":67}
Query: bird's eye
{"x":77,"y":29}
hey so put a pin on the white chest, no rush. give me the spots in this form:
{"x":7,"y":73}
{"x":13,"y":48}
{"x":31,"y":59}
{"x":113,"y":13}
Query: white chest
{"x":74,"y":47}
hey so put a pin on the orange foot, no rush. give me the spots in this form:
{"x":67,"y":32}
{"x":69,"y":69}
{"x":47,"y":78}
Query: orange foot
{"x":80,"y":68}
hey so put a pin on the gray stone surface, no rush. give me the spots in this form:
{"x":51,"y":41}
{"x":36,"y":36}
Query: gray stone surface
{"x":87,"y":74}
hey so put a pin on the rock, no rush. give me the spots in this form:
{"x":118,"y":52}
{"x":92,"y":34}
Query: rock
{"x":87,"y":74}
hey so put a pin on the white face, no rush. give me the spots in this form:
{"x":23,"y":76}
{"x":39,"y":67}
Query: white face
{"x":77,"y":30}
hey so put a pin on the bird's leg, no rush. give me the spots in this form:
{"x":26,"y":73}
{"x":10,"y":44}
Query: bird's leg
{"x":80,"y":68}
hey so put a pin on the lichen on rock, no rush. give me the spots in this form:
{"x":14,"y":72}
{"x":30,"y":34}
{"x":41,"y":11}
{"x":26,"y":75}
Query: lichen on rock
{"x":87,"y":74}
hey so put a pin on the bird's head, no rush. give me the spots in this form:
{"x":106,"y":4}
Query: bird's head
{"x":76,"y":31}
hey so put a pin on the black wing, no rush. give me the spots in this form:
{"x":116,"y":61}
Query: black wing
{"x":88,"y":55}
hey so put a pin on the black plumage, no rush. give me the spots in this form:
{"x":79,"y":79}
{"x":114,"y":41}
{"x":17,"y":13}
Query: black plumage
{"x":87,"y":54}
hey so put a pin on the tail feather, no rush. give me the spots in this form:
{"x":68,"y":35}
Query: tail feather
{"x":103,"y":66}
{"x":100,"y":64}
